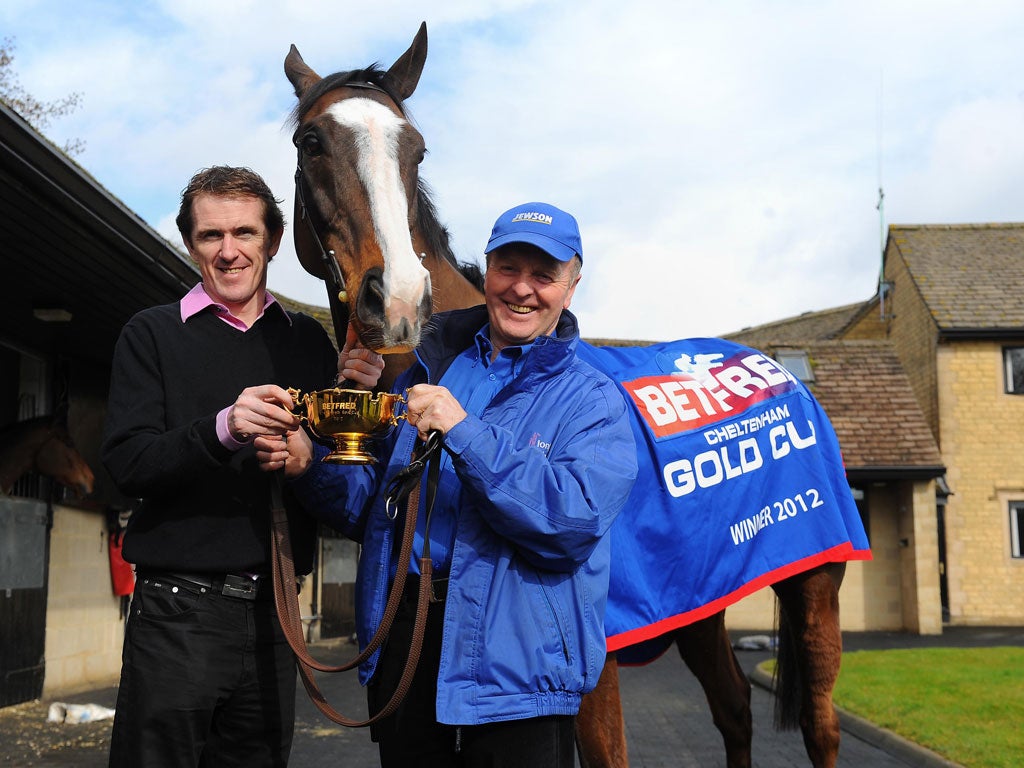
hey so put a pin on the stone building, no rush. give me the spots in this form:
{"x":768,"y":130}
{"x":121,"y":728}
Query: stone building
{"x":923,"y":383}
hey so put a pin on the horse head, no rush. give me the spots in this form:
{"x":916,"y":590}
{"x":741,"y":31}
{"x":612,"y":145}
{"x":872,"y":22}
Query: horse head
{"x":43,"y":445}
{"x":356,"y":191}
{"x":58,"y":458}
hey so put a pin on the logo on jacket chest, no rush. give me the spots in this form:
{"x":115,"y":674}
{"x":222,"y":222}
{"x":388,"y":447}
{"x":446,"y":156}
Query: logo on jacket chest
{"x":536,"y":442}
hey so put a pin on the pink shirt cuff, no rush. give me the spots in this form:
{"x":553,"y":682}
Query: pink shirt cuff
{"x":224,"y":434}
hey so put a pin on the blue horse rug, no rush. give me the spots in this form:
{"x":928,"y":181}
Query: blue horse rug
{"x":741,"y":485}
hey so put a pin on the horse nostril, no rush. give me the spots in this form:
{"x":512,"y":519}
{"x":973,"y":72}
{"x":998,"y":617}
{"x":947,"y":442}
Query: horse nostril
{"x":370,"y":306}
{"x":396,"y":321}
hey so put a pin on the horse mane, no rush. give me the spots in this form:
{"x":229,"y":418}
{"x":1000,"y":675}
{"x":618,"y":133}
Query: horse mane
{"x":437,"y":236}
{"x":473,"y":273}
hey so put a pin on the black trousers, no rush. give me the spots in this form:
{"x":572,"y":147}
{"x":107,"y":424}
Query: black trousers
{"x":206,"y":680}
{"x":412,"y":737}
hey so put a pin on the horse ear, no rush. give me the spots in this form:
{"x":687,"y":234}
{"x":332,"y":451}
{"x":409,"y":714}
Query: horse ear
{"x":405,"y":73}
{"x":298,"y":72}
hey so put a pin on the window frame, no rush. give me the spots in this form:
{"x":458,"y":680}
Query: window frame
{"x":1013,"y":384}
{"x":1015,"y":519}
{"x":801,"y":358}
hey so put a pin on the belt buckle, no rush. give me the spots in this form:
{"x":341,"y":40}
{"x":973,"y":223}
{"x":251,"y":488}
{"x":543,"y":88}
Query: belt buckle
{"x":239,"y":586}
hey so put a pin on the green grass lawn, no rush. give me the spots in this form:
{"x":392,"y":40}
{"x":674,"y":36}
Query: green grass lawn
{"x":966,"y":704}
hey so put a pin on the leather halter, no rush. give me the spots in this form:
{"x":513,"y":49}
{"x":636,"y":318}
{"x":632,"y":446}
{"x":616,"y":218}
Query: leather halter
{"x":327,"y":257}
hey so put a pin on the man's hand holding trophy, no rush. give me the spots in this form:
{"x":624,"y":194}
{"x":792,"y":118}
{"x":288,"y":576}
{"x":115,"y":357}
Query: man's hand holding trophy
{"x":347,"y":416}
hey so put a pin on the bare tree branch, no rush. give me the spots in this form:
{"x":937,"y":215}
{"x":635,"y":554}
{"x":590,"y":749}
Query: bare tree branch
{"x":38,"y":113}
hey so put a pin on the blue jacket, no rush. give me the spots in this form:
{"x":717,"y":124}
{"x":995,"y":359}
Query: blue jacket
{"x":545,"y":469}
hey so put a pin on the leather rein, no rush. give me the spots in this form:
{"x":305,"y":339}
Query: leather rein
{"x":404,"y":487}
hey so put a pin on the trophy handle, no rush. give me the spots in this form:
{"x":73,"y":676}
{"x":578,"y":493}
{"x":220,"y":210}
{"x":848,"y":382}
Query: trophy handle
{"x":299,"y":404}
{"x":397,"y":417}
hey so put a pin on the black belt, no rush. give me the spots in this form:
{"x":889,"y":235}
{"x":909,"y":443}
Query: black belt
{"x":411,"y":589}
{"x":227,"y":584}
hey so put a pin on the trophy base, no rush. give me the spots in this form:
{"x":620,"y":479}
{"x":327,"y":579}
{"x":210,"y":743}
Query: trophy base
{"x":350,"y":448}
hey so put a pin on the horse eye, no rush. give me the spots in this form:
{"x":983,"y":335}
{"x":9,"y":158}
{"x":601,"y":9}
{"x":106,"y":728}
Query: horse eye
{"x":309,"y":143}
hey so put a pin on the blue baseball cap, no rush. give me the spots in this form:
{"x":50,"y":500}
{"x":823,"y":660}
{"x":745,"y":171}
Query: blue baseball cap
{"x":551,"y":229}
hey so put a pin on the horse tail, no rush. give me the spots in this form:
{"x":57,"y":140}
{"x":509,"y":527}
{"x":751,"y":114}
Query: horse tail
{"x":787,"y":682}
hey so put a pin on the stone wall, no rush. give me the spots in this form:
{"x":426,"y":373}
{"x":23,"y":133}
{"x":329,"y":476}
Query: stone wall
{"x":981,"y":429}
{"x":84,"y":629}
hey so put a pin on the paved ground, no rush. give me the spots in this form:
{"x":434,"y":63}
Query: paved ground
{"x":667,"y":719}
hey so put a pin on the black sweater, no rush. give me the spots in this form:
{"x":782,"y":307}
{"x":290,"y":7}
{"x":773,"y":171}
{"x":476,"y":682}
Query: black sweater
{"x":203,"y":508}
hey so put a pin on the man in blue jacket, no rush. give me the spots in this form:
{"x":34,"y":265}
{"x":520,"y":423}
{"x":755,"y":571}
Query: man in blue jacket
{"x":538,"y":460}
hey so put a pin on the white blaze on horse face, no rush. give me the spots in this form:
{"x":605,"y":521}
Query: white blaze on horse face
{"x":376,"y":130}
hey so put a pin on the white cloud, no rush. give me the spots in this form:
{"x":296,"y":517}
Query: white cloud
{"x":974,"y":161}
{"x":723,"y":159}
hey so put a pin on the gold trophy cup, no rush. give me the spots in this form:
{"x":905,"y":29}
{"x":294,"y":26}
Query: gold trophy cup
{"x":349,"y":418}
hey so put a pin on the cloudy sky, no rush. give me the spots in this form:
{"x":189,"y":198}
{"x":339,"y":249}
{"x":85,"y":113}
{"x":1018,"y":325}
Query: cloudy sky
{"x":723,"y":158}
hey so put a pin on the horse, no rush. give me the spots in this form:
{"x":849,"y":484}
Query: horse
{"x":356,"y":180}
{"x":807,"y":666}
{"x":44,"y":446}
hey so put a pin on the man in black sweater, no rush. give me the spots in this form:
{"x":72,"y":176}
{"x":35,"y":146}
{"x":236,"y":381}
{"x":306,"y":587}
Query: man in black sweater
{"x":207,"y":676}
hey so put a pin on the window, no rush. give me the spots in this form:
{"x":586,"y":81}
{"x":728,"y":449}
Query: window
{"x":795,"y":361}
{"x":1013,"y":360}
{"x":1017,"y":529}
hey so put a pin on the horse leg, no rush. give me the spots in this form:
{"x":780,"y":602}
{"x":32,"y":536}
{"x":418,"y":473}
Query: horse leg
{"x":809,"y":623}
{"x":707,"y":651}
{"x":600,"y":728}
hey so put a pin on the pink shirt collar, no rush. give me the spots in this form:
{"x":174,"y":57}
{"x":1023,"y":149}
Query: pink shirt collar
{"x":196,"y":300}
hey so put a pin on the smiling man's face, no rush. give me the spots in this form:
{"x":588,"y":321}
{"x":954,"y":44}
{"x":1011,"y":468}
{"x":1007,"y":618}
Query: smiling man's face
{"x":231,"y":245}
{"x":525,"y":290}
